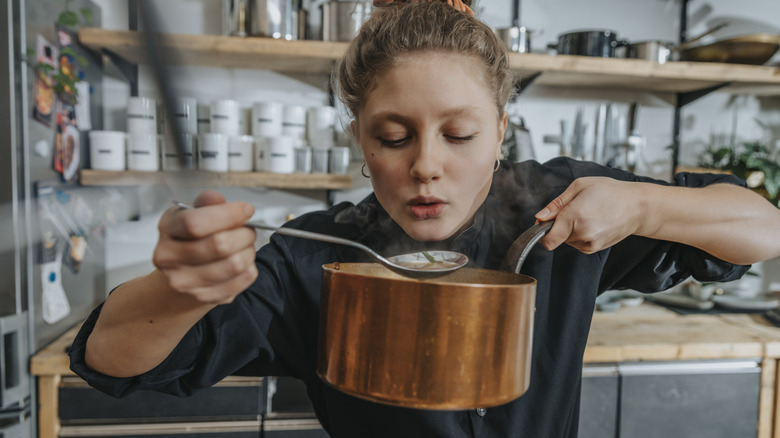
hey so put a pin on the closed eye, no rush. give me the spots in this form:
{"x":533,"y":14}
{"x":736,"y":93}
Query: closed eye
{"x":392,"y":143}
{"x":460,"y":140}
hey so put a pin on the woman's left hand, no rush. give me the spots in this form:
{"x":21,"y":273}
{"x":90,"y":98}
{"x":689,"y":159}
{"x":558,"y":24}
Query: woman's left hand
{"x":593,"y":213}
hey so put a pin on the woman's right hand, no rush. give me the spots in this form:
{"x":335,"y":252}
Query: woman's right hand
{"x":207,"y":253}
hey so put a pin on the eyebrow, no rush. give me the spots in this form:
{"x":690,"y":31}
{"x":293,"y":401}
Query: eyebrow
{"x":396,"y":117}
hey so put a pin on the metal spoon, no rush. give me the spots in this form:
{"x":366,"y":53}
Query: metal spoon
{"x":423,"y":264}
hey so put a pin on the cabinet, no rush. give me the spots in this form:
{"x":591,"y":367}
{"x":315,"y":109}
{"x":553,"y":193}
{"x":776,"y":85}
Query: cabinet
{"x":713,"y":398}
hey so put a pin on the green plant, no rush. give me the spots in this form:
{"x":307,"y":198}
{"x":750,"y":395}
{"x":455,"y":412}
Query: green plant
{"x":63,"y":79}
{"x":752,"y":161}
{"x":71,"y":19}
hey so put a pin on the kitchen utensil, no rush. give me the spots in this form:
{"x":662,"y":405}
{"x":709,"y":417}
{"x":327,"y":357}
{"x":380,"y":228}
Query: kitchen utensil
{"x":268,"y":18}
{"x":517,"y":38}
{"x":341,"y":20}
{"x":679,"y":300}
{"x":578,"y":137}
{"x":755,"y":49}
{"x":656,"y":51}
{"x":599,"y":43}
{"x":239,"y":23}
{"x":517,"y":145}
{"x":461,"y":341}
{"x":634,"y":142}
{"x":424,"y":264}
{"x":563,"y":140}
{"x":662,"y":51}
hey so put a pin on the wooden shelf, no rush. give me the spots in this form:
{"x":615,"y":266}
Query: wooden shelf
{"x":313,"y":181}
{"x":319,"y":57}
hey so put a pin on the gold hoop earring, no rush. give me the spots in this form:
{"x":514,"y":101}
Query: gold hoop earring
{"x":363,"y":171}
{"x":498,"y":165}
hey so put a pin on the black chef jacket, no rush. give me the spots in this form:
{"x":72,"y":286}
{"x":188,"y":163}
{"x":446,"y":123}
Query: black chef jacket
{"x":271,"y":329}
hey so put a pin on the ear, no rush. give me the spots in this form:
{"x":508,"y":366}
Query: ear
{"x":502,"y":124}
{"x":353,"y":126}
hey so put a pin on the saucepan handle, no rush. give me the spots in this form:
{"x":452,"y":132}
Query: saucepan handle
{"x":514,"y":258}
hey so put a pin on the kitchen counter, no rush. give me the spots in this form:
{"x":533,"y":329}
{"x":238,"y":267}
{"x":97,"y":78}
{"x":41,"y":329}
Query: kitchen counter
{"x":644,"y":333}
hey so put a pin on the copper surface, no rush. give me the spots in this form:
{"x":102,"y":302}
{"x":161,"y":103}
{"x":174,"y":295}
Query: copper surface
{"x":461,"y":341}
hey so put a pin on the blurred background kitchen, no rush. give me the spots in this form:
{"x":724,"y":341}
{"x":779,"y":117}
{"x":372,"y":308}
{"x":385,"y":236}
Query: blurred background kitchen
{"x":76,"y":223}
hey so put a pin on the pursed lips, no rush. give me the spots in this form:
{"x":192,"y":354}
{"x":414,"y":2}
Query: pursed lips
{"x":426,"y":207}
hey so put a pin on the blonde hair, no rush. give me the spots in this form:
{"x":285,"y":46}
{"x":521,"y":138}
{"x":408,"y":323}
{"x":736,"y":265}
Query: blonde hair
{"x":405,"y":28}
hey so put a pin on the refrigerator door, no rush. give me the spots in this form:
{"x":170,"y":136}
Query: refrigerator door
{"x":58,"y":216}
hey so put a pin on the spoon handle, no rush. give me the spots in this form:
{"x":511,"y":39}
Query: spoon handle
{"x":314,"y":236}
{"x":303,"y":234}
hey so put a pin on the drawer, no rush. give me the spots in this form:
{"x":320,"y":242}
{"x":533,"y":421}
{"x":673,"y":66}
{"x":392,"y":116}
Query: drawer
{"x":200,"y":429}
{"x":292,"y":425}
{"x":233,"y":399}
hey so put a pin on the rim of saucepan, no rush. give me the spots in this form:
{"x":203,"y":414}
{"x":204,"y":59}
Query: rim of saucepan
{"x":446,"y":279}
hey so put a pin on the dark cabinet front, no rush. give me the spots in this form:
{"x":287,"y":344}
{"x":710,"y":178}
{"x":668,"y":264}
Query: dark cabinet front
{"x":713,"y":399}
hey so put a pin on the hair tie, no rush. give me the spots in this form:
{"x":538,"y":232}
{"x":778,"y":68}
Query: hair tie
{"x":459,"y":5}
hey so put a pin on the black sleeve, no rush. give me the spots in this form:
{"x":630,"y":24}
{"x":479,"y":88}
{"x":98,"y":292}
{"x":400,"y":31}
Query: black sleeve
{"x":649,"y":265}
{"x":230,"y":339}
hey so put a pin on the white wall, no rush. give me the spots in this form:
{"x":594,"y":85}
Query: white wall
{"x":542,"y":108}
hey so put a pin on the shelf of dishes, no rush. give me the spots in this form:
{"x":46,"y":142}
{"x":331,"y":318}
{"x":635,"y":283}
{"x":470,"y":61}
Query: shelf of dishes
{"x":200,"y":178}
{"x":303,"y":56}
{"x":223,"y":142}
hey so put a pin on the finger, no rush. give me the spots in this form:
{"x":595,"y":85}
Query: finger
{"x":227,"y":291}
{"x":170,"y":253}
{"x":203,"y":221}
{"x":209,"y":197}
{"x":191,"y":278}
{"x":560,"y":232}
{"x":551,"y":210}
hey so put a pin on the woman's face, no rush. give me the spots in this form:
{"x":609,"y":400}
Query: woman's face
{"x":430,"y":134}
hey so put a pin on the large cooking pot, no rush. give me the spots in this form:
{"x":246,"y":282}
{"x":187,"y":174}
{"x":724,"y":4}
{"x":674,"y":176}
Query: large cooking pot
{"x":600,"y":43}
{"x":460,"y":341}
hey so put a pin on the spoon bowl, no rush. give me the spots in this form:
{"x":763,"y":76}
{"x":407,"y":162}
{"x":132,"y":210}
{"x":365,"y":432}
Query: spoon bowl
{"x":422,"y":264}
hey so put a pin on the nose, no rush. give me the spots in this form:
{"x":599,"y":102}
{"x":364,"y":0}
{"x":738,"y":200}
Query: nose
{"x":427,"y":162}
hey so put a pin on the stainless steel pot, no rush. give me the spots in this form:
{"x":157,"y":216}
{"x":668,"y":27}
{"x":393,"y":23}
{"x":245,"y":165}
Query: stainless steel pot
{"x":341,"y":20}
{"x":656,"y":51}
{"x":516,"y":38}
{"x":599,"y":43}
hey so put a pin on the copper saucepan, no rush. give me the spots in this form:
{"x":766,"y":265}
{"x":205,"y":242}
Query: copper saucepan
{"x":460,"y":341}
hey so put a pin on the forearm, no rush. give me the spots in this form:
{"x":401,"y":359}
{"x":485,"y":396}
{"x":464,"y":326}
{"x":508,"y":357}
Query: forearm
{"x":140,"y":324}
{"x":727,"y":221}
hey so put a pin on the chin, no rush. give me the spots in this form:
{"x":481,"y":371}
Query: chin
{"x":428,"y":232}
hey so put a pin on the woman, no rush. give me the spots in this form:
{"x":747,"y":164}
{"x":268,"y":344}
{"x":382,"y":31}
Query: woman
{"x":427,"y":86}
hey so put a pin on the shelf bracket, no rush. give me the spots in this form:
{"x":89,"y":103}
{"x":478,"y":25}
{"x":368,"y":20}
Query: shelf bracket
{"x":691,"y":96}
{"x":523,"y":83}
{"x":128,"y":70}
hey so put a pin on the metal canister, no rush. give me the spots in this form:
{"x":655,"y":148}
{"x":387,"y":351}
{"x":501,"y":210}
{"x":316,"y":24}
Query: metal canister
{"x":341,"y":20}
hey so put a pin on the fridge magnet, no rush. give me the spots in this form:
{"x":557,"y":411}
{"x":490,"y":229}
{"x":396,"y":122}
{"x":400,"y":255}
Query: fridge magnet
{"x":74,"y":252}
{"x":55,"y":301}
{"x":43,"y":83}
{"x":66,"y":143}
{"x":67,"y":77}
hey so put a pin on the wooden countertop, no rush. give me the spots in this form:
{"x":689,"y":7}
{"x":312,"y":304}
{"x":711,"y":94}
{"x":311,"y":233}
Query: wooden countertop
{"x":646,"y":332}
{"x":652,"y":332}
